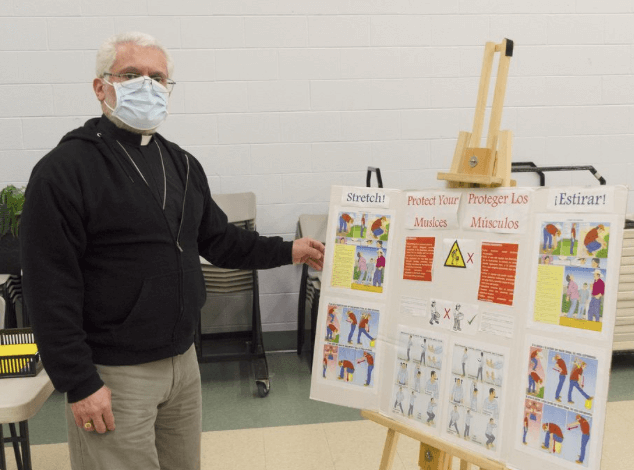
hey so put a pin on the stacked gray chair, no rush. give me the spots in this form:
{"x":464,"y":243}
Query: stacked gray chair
{"x":231,"y":327}
{"x":624,"y":329}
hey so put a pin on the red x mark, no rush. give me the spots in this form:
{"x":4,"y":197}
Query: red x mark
{"x":470,"y":260}
{"x":447,"y":310}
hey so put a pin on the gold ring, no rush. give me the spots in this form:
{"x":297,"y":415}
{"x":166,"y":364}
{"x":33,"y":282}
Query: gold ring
{"x":88,"y":425}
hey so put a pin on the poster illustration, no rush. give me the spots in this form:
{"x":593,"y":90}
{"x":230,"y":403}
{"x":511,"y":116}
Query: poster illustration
{"x":418,"y":373}
{"x":361,"y":254}
{"x":349,"y":352}
{"x":559,"y":406}
{"x":476,"y":393}
{"x":572,"y":274}
{"x":454,"y":316}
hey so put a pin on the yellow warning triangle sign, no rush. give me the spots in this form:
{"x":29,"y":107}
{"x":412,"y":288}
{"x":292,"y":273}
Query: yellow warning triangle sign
{"x":455,"y":258}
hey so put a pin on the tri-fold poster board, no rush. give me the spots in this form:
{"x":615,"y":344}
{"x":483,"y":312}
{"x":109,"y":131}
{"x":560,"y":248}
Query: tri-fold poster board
{"x":484,"y":317}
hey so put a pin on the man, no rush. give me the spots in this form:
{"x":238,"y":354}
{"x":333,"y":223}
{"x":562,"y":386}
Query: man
{"x":398,"y":400}
{"x":457,"y":317}
{"x":489,"y":433}
{"x":362,"y":225}
{"x":402,"y":374}
{"x":552,"y":430}
{"x":364,"y":327}
{"x":114,"y":222}
{"x":584,"y":299}
{"x":573,"y":237}
{"x":575,"y":376}
{"x":369,"y":359}
{"x":431,"y":411}
{"x":344,"y":221}
{"x":572,"y":294}
{"x":473,"y":405}
{"x":423,"y":350}
{"x":352,"y":319}
{"x":377,"y":279}
{"x":453,"y":419}
{"x":535,"y":357}
{"x":456,"y":392}
{"x":533,"y":380}
{"x":410,"y":343}
{"x":418,"y":375}
{"x":563,"y":372}
{"x":362,"y":265}
{"x":593,"y":240}
{"x":330,"y":330}
{"x":412,"y":401}
{"x":598,"y":290}
{"x":467,"y":424}
{"x":347,"y":370}
{"x":550,"y":232}
{"x":491,"y":405}
{"x":371,"y":265}
{"x":431,"y":387}
{"x":465,"y":358}
{"x":480,"y":365}
{"x":435,"y":316}
{"x":377,"y":227}
{"x":584,"y":427}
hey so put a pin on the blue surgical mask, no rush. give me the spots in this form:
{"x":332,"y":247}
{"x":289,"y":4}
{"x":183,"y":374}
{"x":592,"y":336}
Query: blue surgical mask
{"x":139,"y":104}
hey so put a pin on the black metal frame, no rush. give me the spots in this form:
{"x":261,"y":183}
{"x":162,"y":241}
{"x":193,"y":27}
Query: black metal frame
{"x":301,"y":311}
{"x":530,"y":167}
{"x":301,"y":315}
{"x":368,"y":178}
{"x":22,"y":459}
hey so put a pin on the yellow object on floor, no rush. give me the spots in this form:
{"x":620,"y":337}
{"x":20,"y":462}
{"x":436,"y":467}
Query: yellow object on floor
{"x":18,"y":349}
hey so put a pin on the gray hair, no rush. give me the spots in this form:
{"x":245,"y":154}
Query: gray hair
{"x":107,"y":53}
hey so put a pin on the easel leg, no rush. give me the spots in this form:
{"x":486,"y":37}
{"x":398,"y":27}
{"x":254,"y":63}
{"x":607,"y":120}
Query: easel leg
{"x":389,"y":451}
{"x":505,"y":149}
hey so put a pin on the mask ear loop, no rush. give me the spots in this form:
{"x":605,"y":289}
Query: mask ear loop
{"x":115,"y":94}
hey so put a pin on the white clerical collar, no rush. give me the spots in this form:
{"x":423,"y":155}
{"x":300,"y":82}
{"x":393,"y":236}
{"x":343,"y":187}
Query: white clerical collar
{"x":145,"y":139}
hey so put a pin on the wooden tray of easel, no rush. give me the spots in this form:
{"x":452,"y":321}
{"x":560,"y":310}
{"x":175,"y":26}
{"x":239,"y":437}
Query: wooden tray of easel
{"x":472,"y":166}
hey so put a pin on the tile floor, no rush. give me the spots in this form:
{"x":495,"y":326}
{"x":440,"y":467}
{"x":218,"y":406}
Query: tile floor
{"x":287,"y":430}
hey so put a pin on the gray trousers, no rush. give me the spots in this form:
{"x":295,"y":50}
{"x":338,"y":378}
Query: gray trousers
{"x":158,"y":417}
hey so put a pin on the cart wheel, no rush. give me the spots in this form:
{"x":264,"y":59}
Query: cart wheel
{"x":263,"y":389}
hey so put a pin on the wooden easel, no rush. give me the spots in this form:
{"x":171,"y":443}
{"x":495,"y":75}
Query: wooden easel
{"x":490,"y":166}
{"x":472,"y":166}
{"x":435,"y":454}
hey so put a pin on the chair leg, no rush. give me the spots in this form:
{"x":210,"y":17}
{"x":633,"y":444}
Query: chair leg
{"x":26,"y":448}
{"x":16,"y":446}
{"x":3,"y":460}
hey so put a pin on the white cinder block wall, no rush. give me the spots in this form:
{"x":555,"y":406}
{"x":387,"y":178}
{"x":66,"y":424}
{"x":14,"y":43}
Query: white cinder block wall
{"x":286,"y":97}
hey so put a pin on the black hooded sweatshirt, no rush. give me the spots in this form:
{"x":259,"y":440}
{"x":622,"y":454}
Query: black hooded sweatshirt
{"x":105,"y":279}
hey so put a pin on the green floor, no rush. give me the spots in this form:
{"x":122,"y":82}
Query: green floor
{"x":231,"y":401}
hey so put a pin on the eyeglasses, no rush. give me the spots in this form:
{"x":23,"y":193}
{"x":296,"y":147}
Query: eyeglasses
{"x":129,"y":80}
